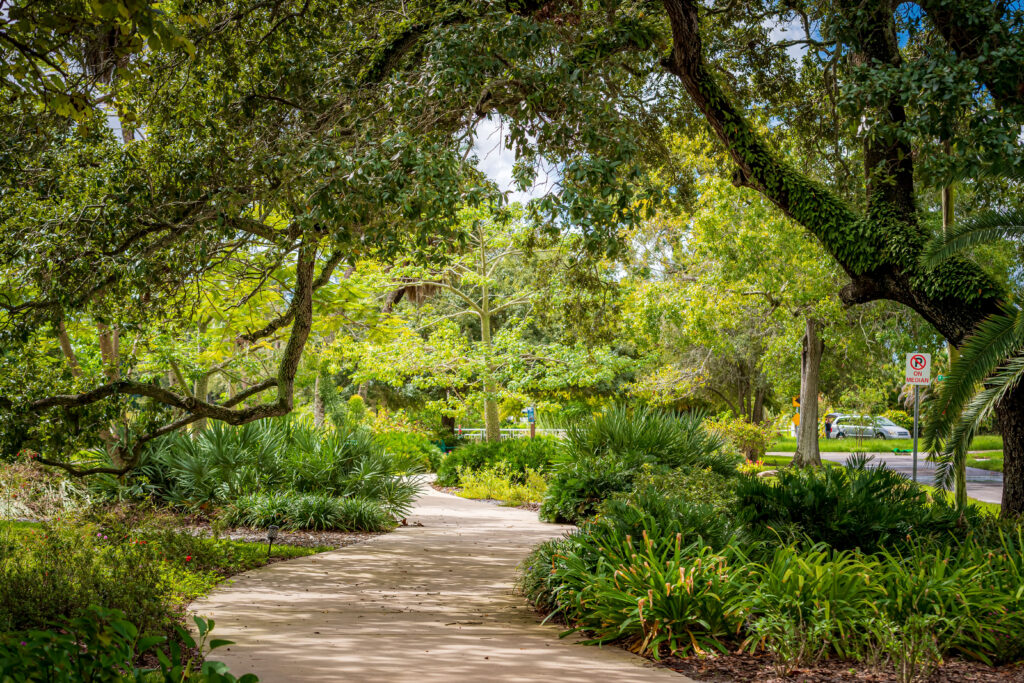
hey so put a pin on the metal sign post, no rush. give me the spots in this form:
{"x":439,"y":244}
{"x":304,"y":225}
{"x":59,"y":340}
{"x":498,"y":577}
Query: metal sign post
{"x":919,"y":371}
{"x":917,"y":410}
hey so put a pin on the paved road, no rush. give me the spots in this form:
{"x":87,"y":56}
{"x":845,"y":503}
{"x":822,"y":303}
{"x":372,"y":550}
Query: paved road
{"x":430,"y":604}
{"x":981,"y":484}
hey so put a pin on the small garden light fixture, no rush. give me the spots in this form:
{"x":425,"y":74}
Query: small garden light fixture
{"x":271,"y":537}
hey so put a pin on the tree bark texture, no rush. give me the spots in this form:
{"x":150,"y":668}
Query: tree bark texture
{"x":199,"y":390}
{"x":807,"y":453}
{"x":68,"y":349}
{"x":492,"y":418}
{"x":1011,"y":425}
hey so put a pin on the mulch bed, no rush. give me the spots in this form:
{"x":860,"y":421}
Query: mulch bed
{"x":455,"y":490}
{"x":759,"y":668}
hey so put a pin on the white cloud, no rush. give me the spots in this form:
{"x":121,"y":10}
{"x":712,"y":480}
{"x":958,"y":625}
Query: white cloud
{"x":496,"y":161}
{"x":789,"y":29}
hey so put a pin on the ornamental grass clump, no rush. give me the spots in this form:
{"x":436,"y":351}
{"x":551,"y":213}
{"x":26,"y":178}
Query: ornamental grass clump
{"x":312,"y":511}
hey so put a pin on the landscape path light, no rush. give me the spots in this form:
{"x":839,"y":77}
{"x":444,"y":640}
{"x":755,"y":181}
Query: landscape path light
{"x":271,"y":537}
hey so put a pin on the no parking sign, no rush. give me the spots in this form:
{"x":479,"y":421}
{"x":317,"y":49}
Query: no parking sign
{"x":919,"y":368}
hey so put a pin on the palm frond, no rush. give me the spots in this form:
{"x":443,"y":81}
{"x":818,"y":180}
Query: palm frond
{"x":998,"y":167}
{"x":990,"y":226}
{"x":995,"y":339}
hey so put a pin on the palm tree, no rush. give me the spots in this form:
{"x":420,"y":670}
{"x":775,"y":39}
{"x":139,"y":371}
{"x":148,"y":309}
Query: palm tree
{"x":991,"y":359}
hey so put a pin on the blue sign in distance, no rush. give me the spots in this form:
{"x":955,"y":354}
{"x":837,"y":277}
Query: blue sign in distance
{"x":530,"y":415}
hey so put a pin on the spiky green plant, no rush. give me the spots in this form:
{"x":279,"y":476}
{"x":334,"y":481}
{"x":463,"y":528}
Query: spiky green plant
{"x":990,"y":363}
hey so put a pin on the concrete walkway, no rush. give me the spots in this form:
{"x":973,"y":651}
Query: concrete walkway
{"x":425,"y":604}
{"x":983,"y":485}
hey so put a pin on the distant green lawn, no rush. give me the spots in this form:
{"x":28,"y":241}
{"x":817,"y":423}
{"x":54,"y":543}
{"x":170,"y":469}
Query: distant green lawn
{"x":850,"y":445}
{"x":989,"y":460}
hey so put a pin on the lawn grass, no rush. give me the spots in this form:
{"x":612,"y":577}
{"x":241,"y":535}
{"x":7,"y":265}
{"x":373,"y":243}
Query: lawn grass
{"x":993,"y":461}
{"x":17,"y":527}
{"x":785,"y":443}
{"x":785,"y":460}
{"x":991,"y":508}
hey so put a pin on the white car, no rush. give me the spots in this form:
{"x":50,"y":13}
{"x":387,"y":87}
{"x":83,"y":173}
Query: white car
{"x":866,"y":427}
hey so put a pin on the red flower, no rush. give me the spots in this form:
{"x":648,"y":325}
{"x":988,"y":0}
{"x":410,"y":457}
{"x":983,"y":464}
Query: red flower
{"x":188,"y":558}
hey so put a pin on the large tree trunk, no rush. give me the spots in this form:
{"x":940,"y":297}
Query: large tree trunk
{"x":492,"y":418}
{"x":67,"y":348}
{"x":108,"y":351}
{"x":1011,"y":424}
{"x":810,"y":369}
{"x":757,"y":414}
{"x":199,"y":390}
{"x":448,"y":424}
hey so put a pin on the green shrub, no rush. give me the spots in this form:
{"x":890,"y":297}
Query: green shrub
{"x":356,"y":409}
{"x":577,"y":489}
{"x":749,"y":439}
{"x":412,"y":453}
{"x":519,"y":455}
{"x":804,"y":603}
{"x":101,"y":646}
{"x":695,"y":485}
{"x":643,"y":435}
{"x":847,"y":507}
{"x":310,"y":511}
{"x":224,"y":464}
{"x":655,"y":594}
{"x":663,"y":573}
{"x":973,"y":590}
{"x":902,"y":418}
{"x":648,"y":512}
{"x":605,"y":454}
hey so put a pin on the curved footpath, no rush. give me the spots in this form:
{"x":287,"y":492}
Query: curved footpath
{"x":423,"y":604}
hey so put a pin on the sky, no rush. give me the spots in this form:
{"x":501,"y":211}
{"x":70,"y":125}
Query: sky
{"x":496,"y":161}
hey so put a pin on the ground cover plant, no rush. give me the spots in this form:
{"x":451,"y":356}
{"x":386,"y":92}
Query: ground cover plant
{"x":841,"y":562}
{"x":498,"y":482}
{"x":101,"y":646}
{"x":115,"y":569}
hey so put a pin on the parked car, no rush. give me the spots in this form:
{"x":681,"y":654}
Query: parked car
{"x":866,"y":427}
